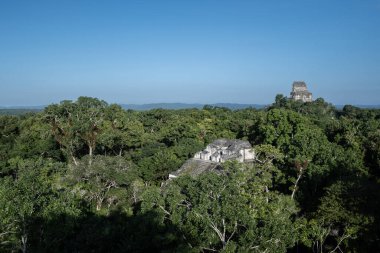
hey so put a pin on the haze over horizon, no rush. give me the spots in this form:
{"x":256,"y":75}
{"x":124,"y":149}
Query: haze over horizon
{"x":138,"y":52}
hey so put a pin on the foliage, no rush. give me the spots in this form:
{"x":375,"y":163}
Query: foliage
{"x":104,"y":181}
{"x":231,"y":210}
{"x":86,"y":176}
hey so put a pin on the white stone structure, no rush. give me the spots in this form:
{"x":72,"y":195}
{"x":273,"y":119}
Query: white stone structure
{"x":300,"y":92}
{"x":222,"y":150}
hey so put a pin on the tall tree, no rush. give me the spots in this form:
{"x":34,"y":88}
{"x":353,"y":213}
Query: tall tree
{"x":76,"y":123}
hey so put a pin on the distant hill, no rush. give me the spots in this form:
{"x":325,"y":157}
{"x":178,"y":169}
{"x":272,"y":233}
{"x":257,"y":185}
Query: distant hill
{"x":175,"y":106}
{"x":13,"y":111}
{"x":27,"y":107}
{"x":19,"y":110}
{"x":340,"y":107}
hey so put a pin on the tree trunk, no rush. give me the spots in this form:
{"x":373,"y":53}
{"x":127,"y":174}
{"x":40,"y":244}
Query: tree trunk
{"x":74,"y":160}
{"x":99,"y":205}
{"x":296,"y":183}
{"x":24,"y":239}
{"x":90,"y":150}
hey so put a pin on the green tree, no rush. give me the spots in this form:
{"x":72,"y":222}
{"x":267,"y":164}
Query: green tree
{"x":76,"y":123}
{"x":228,"y":211}
{"x":34,"y":140}
{"x":9,"y":130}
{"x":28,"y":199}
{"x":158,"y":166}
{"x":121,"y":130}
{"x":104,"y":181}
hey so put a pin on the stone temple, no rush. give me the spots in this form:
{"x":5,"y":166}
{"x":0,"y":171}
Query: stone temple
{"x":222,"y":150}
{"x":213,"y":155}
{"x":300,"y":92}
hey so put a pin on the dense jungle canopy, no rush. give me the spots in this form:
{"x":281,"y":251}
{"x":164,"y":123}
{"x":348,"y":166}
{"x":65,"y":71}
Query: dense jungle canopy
{"x":87,"y":176}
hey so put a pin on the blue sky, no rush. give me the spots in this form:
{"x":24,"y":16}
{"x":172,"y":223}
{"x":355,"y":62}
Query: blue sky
{"x":188,"y":51}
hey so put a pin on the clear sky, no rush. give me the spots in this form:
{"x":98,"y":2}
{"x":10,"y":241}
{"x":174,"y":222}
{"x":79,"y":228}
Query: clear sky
{"x":191,"y":51}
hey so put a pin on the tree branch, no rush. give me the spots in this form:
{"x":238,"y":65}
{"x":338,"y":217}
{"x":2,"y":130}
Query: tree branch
{"x":163,"y":209}
{"x":344,"y":237}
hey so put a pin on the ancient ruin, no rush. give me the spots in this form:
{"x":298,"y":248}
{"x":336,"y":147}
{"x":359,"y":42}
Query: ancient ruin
{"x":222,"y":150}
{"x":300,"y":92}
{"x":214,"y":154}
